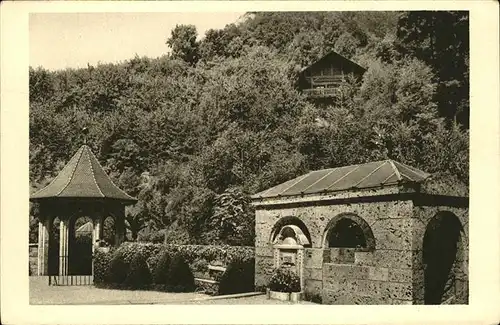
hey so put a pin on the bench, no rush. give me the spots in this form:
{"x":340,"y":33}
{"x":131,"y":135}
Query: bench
{"x":215,"y":272}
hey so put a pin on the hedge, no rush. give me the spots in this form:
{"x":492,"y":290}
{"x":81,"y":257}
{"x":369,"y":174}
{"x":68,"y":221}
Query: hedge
{"x":139,"y":275}
{"x":196,"y":256}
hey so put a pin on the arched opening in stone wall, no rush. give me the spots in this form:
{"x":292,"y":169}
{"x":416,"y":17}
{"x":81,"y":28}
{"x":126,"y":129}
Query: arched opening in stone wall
{"x":443,"y":258}
{"x":344,"y":235}
{"x":349,"y":231}
{"x":290,"y":221}
{"x":80,"y":262}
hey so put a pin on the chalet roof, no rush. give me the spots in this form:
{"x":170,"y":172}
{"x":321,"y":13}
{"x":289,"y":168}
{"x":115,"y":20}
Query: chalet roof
{"x":332,"y":55}
{"x":82,"y":177}
{"x":363,"y":176}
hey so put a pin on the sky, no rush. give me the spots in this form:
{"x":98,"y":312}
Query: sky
{"x":72,"y":40}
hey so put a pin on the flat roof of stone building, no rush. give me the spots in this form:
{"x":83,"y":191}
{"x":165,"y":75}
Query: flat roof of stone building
{"x":355,"y":177}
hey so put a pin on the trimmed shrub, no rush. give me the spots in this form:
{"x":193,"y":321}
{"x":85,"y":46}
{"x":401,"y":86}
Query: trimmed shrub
{"x":118,"y":269}
{"x":102,"y":263}
{"x":196,"y":256}
{"x":180,"y":277}
{"x":139,"y":276}
{"x":160,"y":274}
{"x":238,"y":277}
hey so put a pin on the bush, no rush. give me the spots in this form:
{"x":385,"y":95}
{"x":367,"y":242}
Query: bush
{"x":239,"y":277}
{"x":102,"y":264}
{"x":118,"y":269}
{"x":284,"y":280}
{"x":180,"y":277}
{"x":196,"y":256}
{"x":139,"y":276}
{"x":161,"y":270}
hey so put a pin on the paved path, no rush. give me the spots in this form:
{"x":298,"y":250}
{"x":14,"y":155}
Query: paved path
{"x":43,"y":294}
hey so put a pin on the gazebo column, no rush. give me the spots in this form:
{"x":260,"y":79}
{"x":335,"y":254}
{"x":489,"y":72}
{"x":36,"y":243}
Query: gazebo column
{"x":119,"y":226}
{"x":44,"y":227}
{"x":71,"y":244}
{"x":63,"y":246}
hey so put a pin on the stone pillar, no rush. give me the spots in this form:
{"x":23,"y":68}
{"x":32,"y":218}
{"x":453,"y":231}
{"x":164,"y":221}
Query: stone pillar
{"x":120,"y":227}
{"x":63,"y":247}
{"x":44,"y":227}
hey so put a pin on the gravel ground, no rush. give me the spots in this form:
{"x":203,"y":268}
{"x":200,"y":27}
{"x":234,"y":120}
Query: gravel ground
{"x":43,"y":294}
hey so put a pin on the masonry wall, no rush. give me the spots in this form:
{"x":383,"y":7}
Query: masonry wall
{"x":382,"y":276}
{"x":423,"y":211}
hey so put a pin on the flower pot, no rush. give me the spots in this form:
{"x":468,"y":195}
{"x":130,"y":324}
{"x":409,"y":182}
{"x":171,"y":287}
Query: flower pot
{"x":283,"y":296}
{"x":295,"y":296}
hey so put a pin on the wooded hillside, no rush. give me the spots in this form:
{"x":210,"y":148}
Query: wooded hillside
{"x":193,"y":133}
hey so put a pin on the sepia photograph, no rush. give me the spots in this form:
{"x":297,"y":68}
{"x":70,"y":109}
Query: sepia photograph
{"x":314,"y":158}
{"x":258,"y":157}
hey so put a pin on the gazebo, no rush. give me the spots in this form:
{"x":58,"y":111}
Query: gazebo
{"x":81,"y":189}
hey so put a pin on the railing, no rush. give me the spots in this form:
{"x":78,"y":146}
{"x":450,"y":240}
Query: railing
{"x":71,"y":280}
{"x":321,"y":92}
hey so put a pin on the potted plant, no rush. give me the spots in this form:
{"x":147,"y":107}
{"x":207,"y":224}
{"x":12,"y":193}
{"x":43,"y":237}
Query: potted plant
{"x":283,"y":284}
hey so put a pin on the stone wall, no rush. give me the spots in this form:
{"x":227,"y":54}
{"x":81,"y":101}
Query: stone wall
{"x":390,"y":222}
{"x":423,"y":212}
{"x":365,"y":285}
{"x":393,"y":273}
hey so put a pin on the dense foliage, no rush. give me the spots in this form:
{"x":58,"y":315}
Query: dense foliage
{"x":139,"y":275}
{"x":172,"y":267}
{"x":193,"y":133}
{"x":284,"y":280}
{"x":180,"y":278}
{"x":238,"y":277}
{"x":118,"y":269}
{"x":161,"y":269}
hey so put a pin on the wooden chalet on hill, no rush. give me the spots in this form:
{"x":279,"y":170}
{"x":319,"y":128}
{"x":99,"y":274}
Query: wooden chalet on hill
{"x":322,"y":78}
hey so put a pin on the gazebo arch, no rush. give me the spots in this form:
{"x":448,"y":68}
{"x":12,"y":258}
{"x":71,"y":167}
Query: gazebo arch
{"x":81,"y":188}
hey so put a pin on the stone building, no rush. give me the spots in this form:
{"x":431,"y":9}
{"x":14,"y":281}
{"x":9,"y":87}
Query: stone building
{"x":376,"y":233}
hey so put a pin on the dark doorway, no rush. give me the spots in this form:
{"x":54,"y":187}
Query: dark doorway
{"x":80,"y":262}
{"x":440,"y":249}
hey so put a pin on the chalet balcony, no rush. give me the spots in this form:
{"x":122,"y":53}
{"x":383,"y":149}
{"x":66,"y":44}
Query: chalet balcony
{"x":321,"y":92}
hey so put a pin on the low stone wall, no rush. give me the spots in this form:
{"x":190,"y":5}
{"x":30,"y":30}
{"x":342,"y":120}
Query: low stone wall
{"x":264,"y":265}
{"x":33,"y":258}
{"x":366,"y":284}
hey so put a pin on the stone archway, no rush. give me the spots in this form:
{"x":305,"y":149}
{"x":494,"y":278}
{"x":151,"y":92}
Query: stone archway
{"x":444,"y":259}
{"x":290,"y":221}
{"x":348,"y":230}
{"x":345,"y":234}
{"x":288,"y":249}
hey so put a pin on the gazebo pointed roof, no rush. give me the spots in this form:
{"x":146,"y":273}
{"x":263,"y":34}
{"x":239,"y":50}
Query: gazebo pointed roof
{"x":82,"y":177}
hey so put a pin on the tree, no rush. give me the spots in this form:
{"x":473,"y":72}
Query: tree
{"x":232,"y":219}
{"x":183,"y":43}
{"x":441,"y":39}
